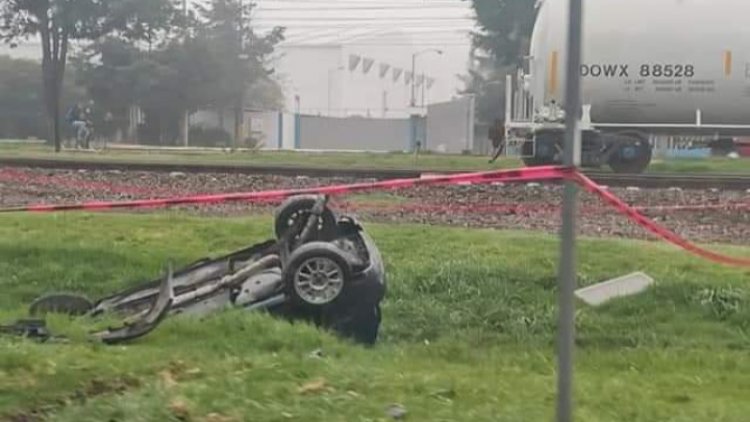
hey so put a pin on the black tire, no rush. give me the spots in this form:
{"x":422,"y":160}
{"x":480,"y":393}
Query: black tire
{"x":60,"y":303}
{"x":317,"y":275}
{"x":298,"y":207}
{"x":620,"y":162}
{"x":360,"y":324}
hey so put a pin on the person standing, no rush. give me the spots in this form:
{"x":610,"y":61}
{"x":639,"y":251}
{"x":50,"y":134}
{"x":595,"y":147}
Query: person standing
{"x":497,"y":137}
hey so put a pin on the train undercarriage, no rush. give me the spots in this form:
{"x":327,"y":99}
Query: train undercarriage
{"x":536,"y":135}
{"x":623,"y":152}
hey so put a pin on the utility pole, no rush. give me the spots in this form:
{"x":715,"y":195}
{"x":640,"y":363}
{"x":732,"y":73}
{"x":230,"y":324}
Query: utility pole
{"x":185,"y":127}
{"x":424,"y":84}
{"x":385,"y":104}
{"x":413,"y":69}
{"x":567,"y":269}
{"x":414,"y":72}
{"x":238,"y":112}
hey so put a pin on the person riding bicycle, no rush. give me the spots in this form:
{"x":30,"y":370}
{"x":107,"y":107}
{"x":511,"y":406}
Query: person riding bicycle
{"x":80,"y":120}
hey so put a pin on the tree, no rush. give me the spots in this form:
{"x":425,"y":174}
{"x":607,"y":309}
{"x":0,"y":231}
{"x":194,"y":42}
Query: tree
{"x":208,"y":65}
{"x":506,"y":27}
{"x":241,"y":53}
{"x":22,"y":98}
{"x":58,"y":22}
{"x":500,"y":45}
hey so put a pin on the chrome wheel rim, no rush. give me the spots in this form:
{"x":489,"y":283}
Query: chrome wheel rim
{"x":319,"y":281}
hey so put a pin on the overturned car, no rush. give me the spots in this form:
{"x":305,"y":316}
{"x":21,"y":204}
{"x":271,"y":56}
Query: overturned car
{"x":321,"y":268}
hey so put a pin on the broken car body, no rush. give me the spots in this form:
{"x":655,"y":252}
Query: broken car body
{"x":321,"y":268}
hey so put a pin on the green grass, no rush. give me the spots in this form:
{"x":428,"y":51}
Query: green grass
{"x":343,"y":160}
{"x":701,"y":165}
{"x":468,"y":332}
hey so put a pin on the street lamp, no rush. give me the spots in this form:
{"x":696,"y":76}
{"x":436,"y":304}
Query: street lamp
{"x":330,"y":73}
{"x":413,"y":72}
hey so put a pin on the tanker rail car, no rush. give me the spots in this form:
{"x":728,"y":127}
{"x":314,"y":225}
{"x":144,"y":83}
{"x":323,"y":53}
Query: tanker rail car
{"x":649,"y":67}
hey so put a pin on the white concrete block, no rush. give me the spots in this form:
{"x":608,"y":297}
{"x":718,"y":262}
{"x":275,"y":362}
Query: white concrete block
{"x":628,"y":285}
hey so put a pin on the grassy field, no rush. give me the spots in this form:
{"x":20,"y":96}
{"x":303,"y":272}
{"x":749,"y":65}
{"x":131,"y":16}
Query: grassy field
{"x":350,"y":160}
{"x":468,"y":333}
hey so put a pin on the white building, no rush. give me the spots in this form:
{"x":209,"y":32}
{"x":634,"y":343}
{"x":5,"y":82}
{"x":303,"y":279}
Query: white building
{"x":357,"y":79}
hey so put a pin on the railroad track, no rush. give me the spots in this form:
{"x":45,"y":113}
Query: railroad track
{"x":649,"y":180}
{"x":667,"y":180}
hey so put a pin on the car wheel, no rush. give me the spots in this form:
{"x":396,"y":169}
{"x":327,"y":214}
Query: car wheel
{"x":298,"y":208}
{"x":60,"y":303}
{"x":317,"y":274}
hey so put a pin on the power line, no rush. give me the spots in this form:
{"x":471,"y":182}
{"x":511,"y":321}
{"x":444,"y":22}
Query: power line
{"x":379,"y":35}
{"x":398,"y":7}
{"x":384,"y":19}
{"x":391,"y":25}
{"x":375,"y":29}
{"x":382,"y":37}
{"x":452,"y":43}
{"x":365,"y":3}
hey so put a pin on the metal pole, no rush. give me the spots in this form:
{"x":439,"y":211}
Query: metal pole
{"x":239,"y":107}
{"x":413,"y":87}
{"x":567,"y":275}
{"x":423,"y":87}
{"x":329,"y":92}
{"x":185,"y":127}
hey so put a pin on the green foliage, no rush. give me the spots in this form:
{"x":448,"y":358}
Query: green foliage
{"x":468,"y":332}
{"x":502,"y":41}
{"x":722,"y":302}
{"x":22,"y":112}
{"x":213,"y":63}
{"x":506,"y":27}
{"x":58,"y":22}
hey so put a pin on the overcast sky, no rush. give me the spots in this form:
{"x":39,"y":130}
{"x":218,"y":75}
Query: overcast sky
{"x":400,"y":25}
{"x":387,"y":28}
{"x":430,"y":23}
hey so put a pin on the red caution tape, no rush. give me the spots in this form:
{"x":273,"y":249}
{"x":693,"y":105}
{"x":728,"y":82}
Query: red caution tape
{"x":655,"y":228}
{"x":518,"y":175}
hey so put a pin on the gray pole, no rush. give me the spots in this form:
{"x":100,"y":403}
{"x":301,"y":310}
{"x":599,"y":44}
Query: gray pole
{"x":567,"y":275}
{"x":185,"y":129}
{"x":329,"y":92}
{"x":413,"y":86}
{"x":424,"y":83}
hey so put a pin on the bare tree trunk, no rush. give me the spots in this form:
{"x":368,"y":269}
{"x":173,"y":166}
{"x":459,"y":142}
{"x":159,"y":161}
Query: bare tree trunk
{"x":54,"y":96}
{"x":185,"y":128}
{"x":54,"y":56}
{"x":60,"y":64}
{"x":237,"y":126}
{"x":48,"y":75}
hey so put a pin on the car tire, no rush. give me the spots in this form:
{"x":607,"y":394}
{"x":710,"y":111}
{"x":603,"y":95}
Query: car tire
{"x":60,"y":303}
{"x":296,"y":207}
{"x":317,"y":275}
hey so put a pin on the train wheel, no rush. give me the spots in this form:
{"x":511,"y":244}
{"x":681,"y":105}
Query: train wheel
{"x":632,"y":156}
{"x":547,"y":145}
